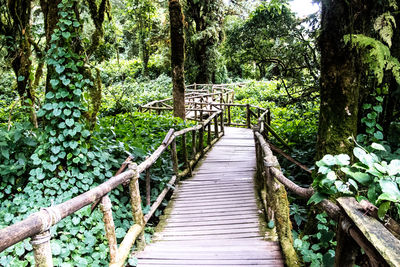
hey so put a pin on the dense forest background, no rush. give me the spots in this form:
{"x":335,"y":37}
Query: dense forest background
{"x":74,"y":72}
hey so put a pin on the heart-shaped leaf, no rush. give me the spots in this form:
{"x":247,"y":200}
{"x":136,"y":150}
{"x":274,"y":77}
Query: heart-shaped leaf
{"x":69,"y":122}
{"x":60,"y":69}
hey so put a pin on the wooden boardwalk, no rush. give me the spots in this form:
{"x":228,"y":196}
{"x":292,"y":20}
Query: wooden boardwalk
{"x":213,"y":219}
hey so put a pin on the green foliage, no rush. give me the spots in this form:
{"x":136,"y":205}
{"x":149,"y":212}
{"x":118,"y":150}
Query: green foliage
{"x":375,"y":176}
{"x":16,"y":147}
{"x":373,"y":131}
{"x":204,"y":33}
{"x":316,"y":249}
{"x":124,"y":91}
{"x":287,"y":54}
{"x":375,"y":55}
{"x":79,"y":239}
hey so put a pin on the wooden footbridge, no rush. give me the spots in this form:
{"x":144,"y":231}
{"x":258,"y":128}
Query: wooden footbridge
{"x":217,"y":216}
{"x":214,"y":219}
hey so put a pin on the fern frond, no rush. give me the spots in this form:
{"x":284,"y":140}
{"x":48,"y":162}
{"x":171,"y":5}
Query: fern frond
{"x":375,"y":54}
{"x":384,"y":25}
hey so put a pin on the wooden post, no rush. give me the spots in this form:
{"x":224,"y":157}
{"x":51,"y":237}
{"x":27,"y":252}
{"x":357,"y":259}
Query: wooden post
{"x":222,"y":123}
{"x":347,"y":248}
{"x":148,"y":187}
{"x":229,"y":115}
{"x":258,"y":113}
{"x":201,"y":139}
{"x":216,"y":126}
{"x":42,"y":249}
{"x":195,"y":111}
{"x":221,"y":100}
{"x":248,"y":116}
{"x":174,"y":158}
{"x":185,"y":154}
{"x":136,"y":203}
{"x":209,"y":134}
{"x":105,"y":207}
{"x":194,"y":144}
{"x":201,"y":114}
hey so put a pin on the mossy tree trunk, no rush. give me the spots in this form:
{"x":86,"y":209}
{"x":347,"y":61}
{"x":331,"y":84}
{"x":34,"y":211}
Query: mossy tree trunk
{"x":392,"y":102}
{"x":97,"y":12}
{"x":177,"y":57}
{"x":50,"y":17}
{"x":16,"y":27}
{"x":341,"y":74}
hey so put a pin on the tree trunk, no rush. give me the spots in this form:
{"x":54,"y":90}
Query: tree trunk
{"x":177,"y":57}
{"x":341,"y":73}
{"x":50,"y":16}
{"x":391,"y":103}
{"x":18,"y":31}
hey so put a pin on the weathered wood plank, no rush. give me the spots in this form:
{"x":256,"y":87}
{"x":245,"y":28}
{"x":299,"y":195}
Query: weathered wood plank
{"x":213,"y":218}
{"x":386,"y":244}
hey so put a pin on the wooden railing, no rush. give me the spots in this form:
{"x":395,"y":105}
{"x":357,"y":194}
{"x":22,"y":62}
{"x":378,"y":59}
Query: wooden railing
{"x":38,"y":224}
{"x":355,"y":228}
{"x":198,"y":98}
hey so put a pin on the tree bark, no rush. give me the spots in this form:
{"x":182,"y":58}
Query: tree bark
{"x":177,"y":57}
{"x":341,"y":74}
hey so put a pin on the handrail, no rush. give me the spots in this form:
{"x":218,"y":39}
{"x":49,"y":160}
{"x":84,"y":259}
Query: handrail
{"x":350,"y":231}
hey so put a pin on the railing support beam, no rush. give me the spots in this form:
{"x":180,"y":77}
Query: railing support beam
{"x":42,"y":249}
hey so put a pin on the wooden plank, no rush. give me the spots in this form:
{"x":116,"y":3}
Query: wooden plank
{"x":205,"y":232}
{"x":384,"y":242}
{"x":225,"y":206}
{"x":195,"y":255}
{"x":207,"y":237}
{"x":213,"y":219}
{"x":212,"y":227}
{"x":160,"y":262}
{"x":179,"y":223}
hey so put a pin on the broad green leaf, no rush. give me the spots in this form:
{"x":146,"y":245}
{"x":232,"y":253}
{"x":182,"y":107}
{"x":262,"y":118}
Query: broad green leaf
{"x":382,"y":210}
{"x":359,"y":153}
{"x":362,"y":178}
{"x":60,"y":69}
{"x":76,"y":220}
{"x":331,"y":175}
{"x":343,"y":159}
{"x":67,"y":112}
{"x":120,"y":232}
{"x":55,"y":149}
{"x":66,"y":81}
{"x":329,"y":160}
{"x":316,"y":198}
{"x":378,"y":109}
{"x":390,"y":188}
{"x":66,"y":35}
{"x":380,"y":168}
{"x":69,"y":122}
{"x":55,"y":248}
{"x":377,"y":146}
{"x":324,"y":169}
{"x":50,"y":95}
{"x":378,"y":135}
{"x":394,"y":167}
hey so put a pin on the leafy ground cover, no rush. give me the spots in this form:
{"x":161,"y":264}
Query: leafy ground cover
{"x":79,"y":240}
